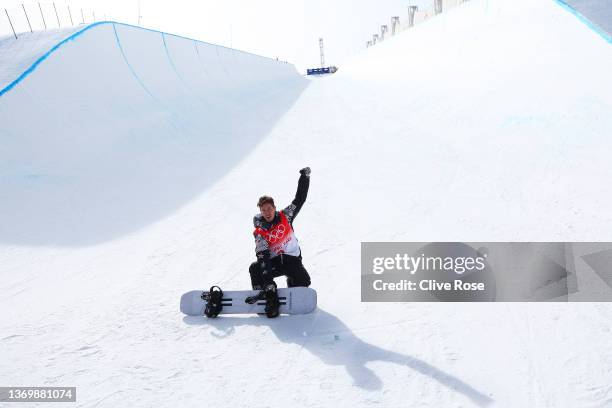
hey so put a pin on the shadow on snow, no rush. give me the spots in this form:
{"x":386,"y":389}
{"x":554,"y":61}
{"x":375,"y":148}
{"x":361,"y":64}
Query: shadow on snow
{"x":327,"y":337}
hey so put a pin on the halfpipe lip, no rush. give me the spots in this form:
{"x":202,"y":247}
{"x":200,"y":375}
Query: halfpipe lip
{"x":71,"y":37}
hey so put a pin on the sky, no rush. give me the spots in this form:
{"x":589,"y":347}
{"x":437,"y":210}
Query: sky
{"x":287,"y":29}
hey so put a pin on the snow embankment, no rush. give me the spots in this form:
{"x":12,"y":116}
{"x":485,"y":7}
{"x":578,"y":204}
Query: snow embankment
{"x":124,"y":125}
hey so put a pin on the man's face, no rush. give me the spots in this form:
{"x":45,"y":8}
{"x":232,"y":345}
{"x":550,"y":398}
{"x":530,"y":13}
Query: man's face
{"x":268,"y":211}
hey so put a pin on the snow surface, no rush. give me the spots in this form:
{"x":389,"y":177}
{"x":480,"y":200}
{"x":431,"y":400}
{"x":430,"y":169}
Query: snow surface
{"x":130,"y":165}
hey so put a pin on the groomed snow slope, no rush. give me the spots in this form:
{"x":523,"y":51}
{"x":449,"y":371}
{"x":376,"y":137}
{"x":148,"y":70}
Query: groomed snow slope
{"x":489,"y":122}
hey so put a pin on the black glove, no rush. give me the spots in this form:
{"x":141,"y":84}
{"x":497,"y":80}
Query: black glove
{"x":305,"y":171}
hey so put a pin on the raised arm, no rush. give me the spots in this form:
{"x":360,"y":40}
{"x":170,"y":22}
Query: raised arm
{"x":294,"y":208}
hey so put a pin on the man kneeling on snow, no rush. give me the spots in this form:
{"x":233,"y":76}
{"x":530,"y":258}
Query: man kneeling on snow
{"x":277,"y":249}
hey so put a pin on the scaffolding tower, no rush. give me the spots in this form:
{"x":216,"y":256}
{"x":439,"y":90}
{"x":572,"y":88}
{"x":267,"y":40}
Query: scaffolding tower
{"x":411,"y":11}
{"x":395,"y":23}
{"x":383,"y":31}
{"x":438,"y":6}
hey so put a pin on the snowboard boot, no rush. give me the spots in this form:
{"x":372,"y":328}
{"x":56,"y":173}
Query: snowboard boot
{"x":272,"y":303}
{"x":251,"y":300}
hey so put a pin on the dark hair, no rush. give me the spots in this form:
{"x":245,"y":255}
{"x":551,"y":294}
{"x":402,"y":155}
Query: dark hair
{"x":265,"y":200}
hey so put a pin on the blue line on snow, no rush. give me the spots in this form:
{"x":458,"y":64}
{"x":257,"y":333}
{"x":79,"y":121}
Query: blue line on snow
{"x":586,"y":21}
{"x":130,"y":65}
{"x":172,"y":62}
{"x":45,"y":56}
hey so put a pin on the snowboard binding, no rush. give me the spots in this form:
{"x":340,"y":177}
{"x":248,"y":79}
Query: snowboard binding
{"x":271,"y":297}
{"x":272,"y":303}
{"x":213,"y":300}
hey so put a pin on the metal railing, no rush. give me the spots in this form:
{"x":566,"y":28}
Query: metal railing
{"x":40,"y":16}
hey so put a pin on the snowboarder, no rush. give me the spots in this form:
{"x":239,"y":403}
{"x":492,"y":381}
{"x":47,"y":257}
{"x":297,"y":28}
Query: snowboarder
{"x":276,"y":247}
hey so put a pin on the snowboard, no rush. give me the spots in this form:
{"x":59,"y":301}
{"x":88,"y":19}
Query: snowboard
{"x":297,"y":300}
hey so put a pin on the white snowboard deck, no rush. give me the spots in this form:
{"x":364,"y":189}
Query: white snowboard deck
{"x":298,"y":300}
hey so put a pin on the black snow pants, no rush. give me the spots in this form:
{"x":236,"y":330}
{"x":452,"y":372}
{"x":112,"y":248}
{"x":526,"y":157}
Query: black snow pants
{"x":282,"y":265}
